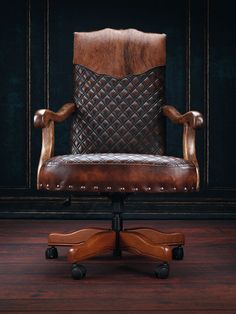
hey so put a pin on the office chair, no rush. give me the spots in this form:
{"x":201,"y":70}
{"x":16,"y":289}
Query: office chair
{"x":118,"y":144}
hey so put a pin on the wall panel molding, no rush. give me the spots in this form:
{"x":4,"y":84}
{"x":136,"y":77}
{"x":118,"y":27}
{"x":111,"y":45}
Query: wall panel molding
{"x":28,"y":95}
{"x":206,"y":97}
{"x":188,"y":56}
{"x":47,"y":55}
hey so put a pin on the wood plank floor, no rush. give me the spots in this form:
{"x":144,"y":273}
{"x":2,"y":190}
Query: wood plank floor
{"x":204,"y":282}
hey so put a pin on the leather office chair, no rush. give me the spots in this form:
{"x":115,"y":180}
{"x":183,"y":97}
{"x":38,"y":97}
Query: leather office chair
{"x":118,"y":143}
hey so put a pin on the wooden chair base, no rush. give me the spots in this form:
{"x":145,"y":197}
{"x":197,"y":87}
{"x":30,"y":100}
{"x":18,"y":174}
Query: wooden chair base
{"x":91,"y":242}
{"x":87,"y":243}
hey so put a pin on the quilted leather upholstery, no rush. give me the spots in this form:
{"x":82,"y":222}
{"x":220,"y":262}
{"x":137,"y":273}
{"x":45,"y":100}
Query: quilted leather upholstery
{"x":118,"y":173}
{"x":118,"y":115}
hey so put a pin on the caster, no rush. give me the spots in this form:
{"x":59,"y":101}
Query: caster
{"x":178,"y":253}
{"x":162,"y":271}
{"x":78,"y":271}
{"x":51,"y":253}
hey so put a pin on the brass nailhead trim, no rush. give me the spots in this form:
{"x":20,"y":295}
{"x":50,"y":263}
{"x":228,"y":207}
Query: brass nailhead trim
{"x":148,"y":189}
{"x":162,"y":189}
{"x":108,"y":188}
{"x":82,"y":187}
{"x":135,"y":189}
{"x":122,"y":189}
{"x":58,"y":185}
{"x":95,"y":187}
{"x":70,"y":186}
{"x":40,"y":184}
{"x":185,"y":188}
{"x":174,"y":188}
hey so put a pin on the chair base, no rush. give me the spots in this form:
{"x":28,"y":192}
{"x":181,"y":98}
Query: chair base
{"x":87,"y":243}
{"x":91,"y":242}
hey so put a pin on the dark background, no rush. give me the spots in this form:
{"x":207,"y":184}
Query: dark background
{"x":36,"y":72}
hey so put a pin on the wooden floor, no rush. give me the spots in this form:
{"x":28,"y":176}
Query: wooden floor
{"x":204,"y":282}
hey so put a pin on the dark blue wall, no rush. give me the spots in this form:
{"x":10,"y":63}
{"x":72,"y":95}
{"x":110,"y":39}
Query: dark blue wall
{"x":36,"y":72}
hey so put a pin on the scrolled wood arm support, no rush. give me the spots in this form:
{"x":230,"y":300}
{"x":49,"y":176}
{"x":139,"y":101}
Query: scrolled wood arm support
{"x":193,"y":118}
{"x":45,"y":118}
{"x":191,"y":121}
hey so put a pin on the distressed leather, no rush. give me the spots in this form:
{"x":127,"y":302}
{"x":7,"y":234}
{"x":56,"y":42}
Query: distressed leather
{"x":118,"y":173}
{"x":119,"y":52}
{"x":118,"y":115}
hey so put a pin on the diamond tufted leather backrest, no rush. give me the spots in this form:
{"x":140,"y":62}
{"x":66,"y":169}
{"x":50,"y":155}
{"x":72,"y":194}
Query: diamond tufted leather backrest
{"x":119,"y":92}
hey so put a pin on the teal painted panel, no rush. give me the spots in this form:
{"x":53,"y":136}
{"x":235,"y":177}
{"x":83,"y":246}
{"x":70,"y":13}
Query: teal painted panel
{"x":222,"y":93}
{"x":13,"y":94}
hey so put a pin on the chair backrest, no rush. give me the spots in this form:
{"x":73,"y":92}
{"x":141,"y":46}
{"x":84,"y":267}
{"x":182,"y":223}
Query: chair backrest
{"x":119,"y":91}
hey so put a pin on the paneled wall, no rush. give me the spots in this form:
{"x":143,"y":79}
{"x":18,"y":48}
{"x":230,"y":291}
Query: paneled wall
{"x":36,"y":72}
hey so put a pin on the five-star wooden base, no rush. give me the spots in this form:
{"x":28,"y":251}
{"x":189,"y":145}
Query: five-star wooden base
{"x":91,"y":242}
{"x":87,"y":243}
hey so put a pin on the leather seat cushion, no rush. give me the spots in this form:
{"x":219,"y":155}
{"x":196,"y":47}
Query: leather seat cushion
{"x":118,"y":173}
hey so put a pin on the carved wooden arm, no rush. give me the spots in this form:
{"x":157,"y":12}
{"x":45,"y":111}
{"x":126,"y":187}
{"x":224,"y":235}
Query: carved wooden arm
{"x":191,"y":120}
{"x":45,"y":118}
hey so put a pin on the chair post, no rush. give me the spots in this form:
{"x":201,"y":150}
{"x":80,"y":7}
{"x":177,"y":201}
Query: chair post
{"x":117,"y":221}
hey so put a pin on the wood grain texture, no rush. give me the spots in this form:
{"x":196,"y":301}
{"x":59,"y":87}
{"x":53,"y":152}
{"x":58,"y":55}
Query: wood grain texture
{"x":139,"y":244}
{"x":47,"y":149}
{"x":204,"y":282}
{"x":68,"y":239}
{"x":45,"y":118}
{"x":119,"y":52}
{"x":90,"y":242}
{"x":193,"y":118}
{"x":159,"y":237}
{"x":98,"y":244}
{"x":191,"y":121}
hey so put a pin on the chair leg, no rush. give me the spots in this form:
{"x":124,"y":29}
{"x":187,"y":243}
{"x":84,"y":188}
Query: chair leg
{"x":69,"y":239}
{"x":158,"y":237}
{"x":97,"y":244}
{"x":139,"y":244}
{"x":85,"y":243}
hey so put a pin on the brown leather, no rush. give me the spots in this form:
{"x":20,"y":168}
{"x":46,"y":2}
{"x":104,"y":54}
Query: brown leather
{"x":119,"y":52}
{"x":118,"y":115}
{"x":118,"y":173}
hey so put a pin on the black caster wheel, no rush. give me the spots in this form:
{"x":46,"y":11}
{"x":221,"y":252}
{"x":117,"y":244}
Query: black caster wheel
{"x":178,"y":253}
{"x":51,"y":253}
{"x":162,"y":271}
{"x":78,"y":271}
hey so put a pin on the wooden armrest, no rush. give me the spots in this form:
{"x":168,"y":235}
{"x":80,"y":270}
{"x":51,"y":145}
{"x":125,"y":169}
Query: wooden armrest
{"x":193,"y":118}
{"x":45,"y":119}
{"x":42,"y":117}
{"x":191,"y":121}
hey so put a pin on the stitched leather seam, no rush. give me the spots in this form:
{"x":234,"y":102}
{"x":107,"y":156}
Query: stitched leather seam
{"x":117,"y":164}
{"x":122,"y":77}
